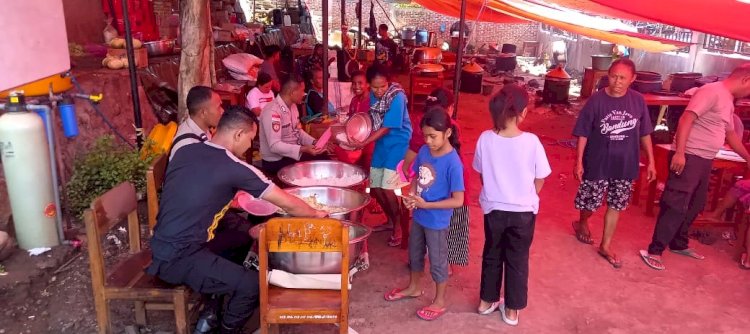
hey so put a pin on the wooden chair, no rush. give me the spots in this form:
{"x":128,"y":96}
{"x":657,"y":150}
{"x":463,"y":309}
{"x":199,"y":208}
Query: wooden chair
{"x":154,"y":181}
{"x":303,"y":306}
{"x":127,"y":280}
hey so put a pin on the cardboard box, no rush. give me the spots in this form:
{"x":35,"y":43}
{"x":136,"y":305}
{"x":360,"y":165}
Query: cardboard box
{"x":221,"y":35}
{"x":140,"y":55}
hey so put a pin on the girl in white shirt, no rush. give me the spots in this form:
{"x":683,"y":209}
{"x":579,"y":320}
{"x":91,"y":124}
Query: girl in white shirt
{"x":261,"y":94}
{"x":512,"y":165}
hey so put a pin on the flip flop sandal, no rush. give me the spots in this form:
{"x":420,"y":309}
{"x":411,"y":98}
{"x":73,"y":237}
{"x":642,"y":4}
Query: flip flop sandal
{"x":689,"y":253}
{"x":583,"y":238}
{"x":429,"y":314}
{"x":512,"y":322}
{"x":493,"y":307}
{"x":612,"y":259}
{"x":396,"y":295}
{"x":394,"y":242}
{"x":651,"y":261}
{"x":744,"y":263}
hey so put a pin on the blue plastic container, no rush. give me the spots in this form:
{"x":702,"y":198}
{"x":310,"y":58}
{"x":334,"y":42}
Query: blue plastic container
{"x":68,"y":118}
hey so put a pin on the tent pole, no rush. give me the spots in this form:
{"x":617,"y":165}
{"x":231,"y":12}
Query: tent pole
{"x":359,"y":31}
{"x":459,"y":58}
{"x":343,"y":13}
{"x":325,"y":52}
{"x":133,"y":77}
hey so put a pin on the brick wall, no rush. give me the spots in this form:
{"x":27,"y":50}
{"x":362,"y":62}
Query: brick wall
{"x":415,"y":15}
{"x":162,"y":11}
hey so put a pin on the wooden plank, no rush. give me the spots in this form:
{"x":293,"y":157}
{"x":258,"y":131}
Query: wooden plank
{"x":140,"y":294}
{"x":140,"y":313}
{"x":263,"y":281}
{"x":134,"y":232}
{"x":302,"y":299}
{"x":282,"y":316}
{"x":179,"y":300}
{"x":303,"y":235}
{"x":96,"y":264}
{"x":114,"y":206}
{"x":660,"y":100}
{"x":124,"y":272}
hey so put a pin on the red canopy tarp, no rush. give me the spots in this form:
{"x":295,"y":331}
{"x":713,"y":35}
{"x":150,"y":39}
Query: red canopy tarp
{"x":453,"y":8}
{"x":728,"y":18}
{"x":609,"y":30}
{"x":593,"y":8}
{"x":612,"y":31}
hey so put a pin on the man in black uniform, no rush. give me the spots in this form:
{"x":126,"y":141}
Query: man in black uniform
{"x":201,"y":181}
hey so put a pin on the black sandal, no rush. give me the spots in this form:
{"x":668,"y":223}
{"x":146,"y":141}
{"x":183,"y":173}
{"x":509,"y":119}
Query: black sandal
{"x":582,"y":237}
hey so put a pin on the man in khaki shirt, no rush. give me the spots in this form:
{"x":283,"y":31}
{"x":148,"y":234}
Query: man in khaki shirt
{"x":703,"y":129}
{"x":282,"y":141}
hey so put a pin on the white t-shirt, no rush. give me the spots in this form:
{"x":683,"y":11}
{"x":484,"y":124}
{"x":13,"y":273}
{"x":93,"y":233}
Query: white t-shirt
{"x":509,"y":167}
{"x":258,"y":99}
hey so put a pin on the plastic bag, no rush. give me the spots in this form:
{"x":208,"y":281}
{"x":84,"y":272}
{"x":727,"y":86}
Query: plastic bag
{"x":109,"y":31}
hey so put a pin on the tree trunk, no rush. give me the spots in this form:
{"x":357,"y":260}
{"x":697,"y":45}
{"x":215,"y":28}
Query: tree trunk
{"x":196,"y":60}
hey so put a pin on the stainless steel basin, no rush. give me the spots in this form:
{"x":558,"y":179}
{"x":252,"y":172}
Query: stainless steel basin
{"x":353,"y":201}
{"x":319,"y":262}
{"x":325,"y":173}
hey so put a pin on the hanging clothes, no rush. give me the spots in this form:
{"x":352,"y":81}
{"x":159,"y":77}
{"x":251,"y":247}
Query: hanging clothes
{"x":373,"y":28}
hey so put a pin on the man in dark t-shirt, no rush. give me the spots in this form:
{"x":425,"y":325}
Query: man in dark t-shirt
{"x":385,"y":48}
{"x":201,"y":181}
{"x":610,"y":128}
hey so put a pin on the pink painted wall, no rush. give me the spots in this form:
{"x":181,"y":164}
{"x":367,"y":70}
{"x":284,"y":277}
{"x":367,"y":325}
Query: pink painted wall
{"x":34,"y":43}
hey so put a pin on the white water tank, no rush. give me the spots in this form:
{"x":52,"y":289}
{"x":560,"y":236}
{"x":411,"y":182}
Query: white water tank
{"x":26,"y":164}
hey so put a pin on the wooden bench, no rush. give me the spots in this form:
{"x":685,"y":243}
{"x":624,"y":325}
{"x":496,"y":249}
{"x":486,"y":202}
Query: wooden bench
{"x":127,"y":280}
{"x":304,"y":306}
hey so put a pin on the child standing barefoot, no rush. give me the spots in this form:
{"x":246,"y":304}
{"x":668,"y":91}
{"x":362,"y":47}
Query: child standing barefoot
{"x":512,"y":165}
{"x":438,"y":189}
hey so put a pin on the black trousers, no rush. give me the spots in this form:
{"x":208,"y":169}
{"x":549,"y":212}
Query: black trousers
{"x":683,"y":199}
{"x":232,"y":240}
{"x":207,"y":273}
{"x":507,"y":239}
{"x":215,"y":268}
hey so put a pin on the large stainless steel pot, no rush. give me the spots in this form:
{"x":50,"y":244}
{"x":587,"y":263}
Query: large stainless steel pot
{"x":354,"y":201}
{"x":323,"y":172}
{"x":320,"y":262}
{"x":601,"y":62}
{"x":427,"y":55}
{"x":160,"y":48}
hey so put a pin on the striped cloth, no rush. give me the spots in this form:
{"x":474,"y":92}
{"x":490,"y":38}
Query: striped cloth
{"x":458,"y":237}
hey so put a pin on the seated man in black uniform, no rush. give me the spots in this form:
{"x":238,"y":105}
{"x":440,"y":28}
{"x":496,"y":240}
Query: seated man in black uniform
{"x":201,"y":181}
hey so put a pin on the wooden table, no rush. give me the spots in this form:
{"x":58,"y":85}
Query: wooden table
{"x":661,"y":160}
{"x":664,"y":102}
{"x":590,"y":78}
{"x":422,"y":85}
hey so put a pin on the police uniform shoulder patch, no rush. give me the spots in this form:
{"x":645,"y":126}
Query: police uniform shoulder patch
{"x":276,"y":122}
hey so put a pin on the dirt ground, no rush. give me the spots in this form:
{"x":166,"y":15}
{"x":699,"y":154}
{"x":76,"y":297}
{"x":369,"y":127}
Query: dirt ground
{"x":571,"y":288}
